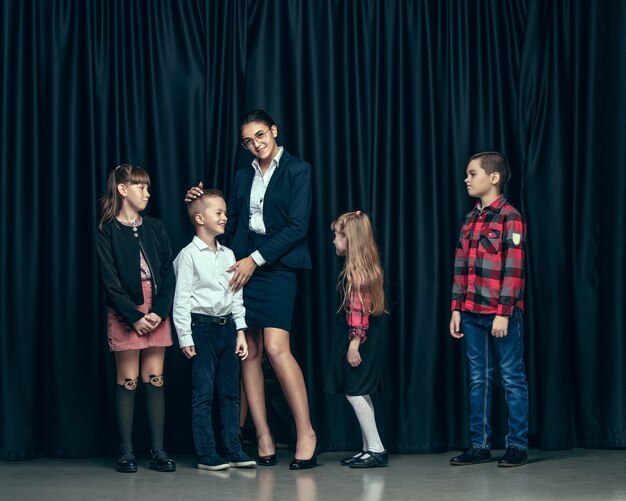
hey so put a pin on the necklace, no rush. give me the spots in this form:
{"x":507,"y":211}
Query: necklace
{"x":133,"y":224}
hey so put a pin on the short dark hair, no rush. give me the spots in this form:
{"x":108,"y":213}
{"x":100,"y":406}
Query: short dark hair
{"x":257,"y":116}
{"x":493,"y":161}
{"x":197,"y":204}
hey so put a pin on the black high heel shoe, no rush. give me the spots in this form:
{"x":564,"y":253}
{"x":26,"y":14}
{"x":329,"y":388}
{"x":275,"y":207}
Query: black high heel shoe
{"x":266,"y":460}
{"x":306,"y":464}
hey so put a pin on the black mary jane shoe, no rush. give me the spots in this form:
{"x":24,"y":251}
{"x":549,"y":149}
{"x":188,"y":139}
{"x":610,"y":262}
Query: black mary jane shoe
{"x":306,"y":464}
{"x":126,"y":463}
{"x":160,"y":461}
{"x":351,"y":459}
{"x":266,"y":460}
{"x":374,"y":460}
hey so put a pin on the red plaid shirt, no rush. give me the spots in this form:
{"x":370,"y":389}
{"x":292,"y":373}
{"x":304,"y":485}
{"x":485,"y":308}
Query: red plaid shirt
{"x":357,"y":314}
{"x":489,"y":261}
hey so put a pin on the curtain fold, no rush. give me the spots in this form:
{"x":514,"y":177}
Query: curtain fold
{"x":386,"y":100}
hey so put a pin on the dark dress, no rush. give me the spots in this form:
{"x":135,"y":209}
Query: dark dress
{"x":364,"y":379}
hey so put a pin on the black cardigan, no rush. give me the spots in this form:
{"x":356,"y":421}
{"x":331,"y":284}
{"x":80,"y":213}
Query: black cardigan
{"x":118,"y":259}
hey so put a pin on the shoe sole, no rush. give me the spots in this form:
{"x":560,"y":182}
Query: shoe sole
{"x":489,"y":460}
{"x":216,"y":467}
{"x":243,"y":464}
{"x":378,"y":465}
{"x":167,"y":469}
{"x":511,"y":465}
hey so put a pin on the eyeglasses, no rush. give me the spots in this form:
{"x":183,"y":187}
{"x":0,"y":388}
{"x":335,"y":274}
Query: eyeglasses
{"x":259,"y":136}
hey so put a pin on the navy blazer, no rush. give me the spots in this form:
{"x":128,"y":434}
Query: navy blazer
{"x":286,"y":213}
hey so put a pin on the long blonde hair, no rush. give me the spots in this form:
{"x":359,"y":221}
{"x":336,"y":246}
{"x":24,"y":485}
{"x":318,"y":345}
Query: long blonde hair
{"x":112,"y":200}
{"x":361,"y":271}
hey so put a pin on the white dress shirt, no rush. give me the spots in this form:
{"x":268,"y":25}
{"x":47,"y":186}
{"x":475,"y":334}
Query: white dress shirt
{"x":260,"y":182}
{"x":202,"y":287}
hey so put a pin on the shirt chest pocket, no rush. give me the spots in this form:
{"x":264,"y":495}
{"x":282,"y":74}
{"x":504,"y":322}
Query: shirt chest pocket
{"x":490,"y":240}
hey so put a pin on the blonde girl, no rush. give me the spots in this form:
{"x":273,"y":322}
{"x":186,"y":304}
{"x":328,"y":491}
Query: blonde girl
{"x":137,"y":275}
{"x":356,"y":367}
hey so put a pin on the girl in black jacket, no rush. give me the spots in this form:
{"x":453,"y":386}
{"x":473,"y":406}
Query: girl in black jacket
{"x":136,"y":269}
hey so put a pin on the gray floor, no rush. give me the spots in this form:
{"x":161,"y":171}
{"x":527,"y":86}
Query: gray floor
{"x":579,"y":474}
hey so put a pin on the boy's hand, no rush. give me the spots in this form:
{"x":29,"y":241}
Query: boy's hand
{"x":189,"y":351}
{"x":194,"y":193}
{"x":500,"y":326}
{"x":244,"y":268}
{"x":455,"y":325}
{"x":241,"y":348}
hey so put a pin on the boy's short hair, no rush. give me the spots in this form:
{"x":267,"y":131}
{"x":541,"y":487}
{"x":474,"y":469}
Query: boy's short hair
{"x":492,"y":161}
{"x":199,"y":203}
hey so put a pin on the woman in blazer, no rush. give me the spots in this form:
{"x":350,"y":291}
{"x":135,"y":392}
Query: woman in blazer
{"x":268,"y":217}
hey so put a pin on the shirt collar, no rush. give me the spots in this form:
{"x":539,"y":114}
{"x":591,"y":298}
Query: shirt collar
{"x":274,"y":163}
{"x":201,"y":245}
{"x":494,"y":206}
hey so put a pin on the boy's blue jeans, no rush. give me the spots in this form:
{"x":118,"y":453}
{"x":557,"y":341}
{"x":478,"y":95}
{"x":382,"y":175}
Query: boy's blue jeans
{"x":509,"y":350}
{"x":214,"y":368}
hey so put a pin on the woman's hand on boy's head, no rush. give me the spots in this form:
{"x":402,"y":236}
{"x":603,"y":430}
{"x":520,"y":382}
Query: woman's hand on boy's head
{"x":194,"y":192}
{"x":455,"y":325}
{"x":189,"y":351}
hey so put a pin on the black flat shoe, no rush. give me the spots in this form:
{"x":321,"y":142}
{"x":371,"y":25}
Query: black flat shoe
{"x":374,"y":460}
{"x":126,"y":463}
{"x":266,"y":460}
{"x":474,"y":455}
{"x":160,"y":461}
{"x":513,"y":457}
{"x":306,"y":464}
{"x":351,"y":459}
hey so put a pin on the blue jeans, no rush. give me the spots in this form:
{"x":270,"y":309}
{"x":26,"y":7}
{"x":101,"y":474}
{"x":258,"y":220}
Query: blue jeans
{"x":480,"y":346}
{"x":215,"y":368}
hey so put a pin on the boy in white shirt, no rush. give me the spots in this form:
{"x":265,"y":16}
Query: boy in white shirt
{"x":210,"y":322}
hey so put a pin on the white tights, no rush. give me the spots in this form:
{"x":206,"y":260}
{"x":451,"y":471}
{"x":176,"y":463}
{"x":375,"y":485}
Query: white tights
{"x":364,"y":410}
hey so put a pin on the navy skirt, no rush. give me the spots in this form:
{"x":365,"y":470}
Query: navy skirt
{"x":270,"y":294}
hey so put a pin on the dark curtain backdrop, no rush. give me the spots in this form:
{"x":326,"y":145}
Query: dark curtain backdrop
{"x":386,"y":100}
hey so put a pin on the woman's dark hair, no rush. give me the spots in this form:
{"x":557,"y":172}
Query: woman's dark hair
{"x":257,"y":116}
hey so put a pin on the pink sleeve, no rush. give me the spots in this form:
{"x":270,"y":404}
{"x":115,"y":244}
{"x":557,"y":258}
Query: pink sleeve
{"x":357,"y":315}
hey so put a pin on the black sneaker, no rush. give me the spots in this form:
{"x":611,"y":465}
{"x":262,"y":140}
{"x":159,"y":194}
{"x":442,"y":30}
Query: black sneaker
{"x":473,"y":455}
{"x":513,"y":457}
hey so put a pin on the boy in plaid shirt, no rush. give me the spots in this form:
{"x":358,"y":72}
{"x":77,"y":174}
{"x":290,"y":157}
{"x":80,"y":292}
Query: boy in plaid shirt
{"x":487,"y":306}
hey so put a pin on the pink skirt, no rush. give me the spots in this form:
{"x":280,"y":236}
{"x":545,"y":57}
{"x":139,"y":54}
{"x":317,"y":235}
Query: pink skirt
{"x":122,"y":336}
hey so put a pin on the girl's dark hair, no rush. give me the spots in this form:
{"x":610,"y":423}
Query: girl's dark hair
{"x":112,"y":200}
{"x":257,"y":116}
